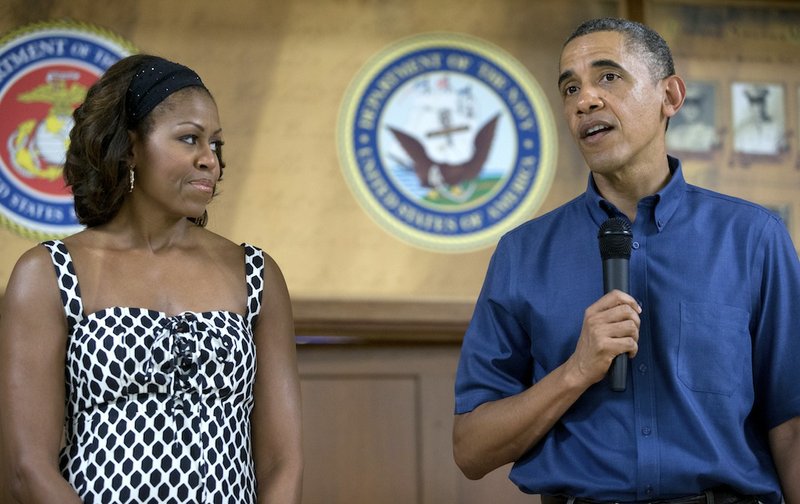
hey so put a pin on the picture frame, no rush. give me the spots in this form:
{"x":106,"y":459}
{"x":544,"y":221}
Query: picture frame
{"x":694,"y":130}
{"x":758,"y":116}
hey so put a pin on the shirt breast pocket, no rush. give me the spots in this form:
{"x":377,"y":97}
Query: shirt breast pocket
{"x":714,"y":347}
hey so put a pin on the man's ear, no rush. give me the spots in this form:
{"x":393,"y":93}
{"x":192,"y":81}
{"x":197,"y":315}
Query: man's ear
{"x":674,"y":95}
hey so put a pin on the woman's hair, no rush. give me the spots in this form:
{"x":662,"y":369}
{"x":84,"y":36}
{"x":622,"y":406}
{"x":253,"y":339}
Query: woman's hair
{"x":96,"y":166}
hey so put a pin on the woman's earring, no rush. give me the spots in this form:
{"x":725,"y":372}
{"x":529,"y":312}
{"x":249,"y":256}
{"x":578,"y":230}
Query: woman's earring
{"x":131,"y":176}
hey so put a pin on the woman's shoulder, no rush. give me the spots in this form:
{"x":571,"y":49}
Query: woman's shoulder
{"x":235,"y":251}
{"x":216,"y":243}
{"x":224,"y":245}
{"x":88,"y":238}
{"x":35,"y":259}
{"x":227,"y":252}
{"x":33,"y":276}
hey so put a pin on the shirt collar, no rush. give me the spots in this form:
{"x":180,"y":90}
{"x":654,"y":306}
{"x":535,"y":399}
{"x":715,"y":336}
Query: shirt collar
{"x":666,"y":200}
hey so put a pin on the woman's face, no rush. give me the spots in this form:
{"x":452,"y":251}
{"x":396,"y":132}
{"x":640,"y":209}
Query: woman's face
{"x":176,"y":163}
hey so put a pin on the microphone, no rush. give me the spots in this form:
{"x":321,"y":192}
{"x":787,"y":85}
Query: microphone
{"x":615,"y":239}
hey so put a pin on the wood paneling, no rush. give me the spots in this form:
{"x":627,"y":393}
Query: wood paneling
{"x":356,"y":426}
{"x":377,"y":423}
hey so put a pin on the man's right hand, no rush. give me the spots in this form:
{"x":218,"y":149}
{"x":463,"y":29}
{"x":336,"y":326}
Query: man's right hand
{"x":610,"y":327}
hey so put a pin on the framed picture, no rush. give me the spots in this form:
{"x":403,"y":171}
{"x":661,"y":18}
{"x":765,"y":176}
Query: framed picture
{"x":759,"y":125}
{"x":693,"y":130}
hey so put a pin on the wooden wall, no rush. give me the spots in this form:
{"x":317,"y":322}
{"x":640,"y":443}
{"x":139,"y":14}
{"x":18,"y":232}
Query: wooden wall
{"x":377,"y":422}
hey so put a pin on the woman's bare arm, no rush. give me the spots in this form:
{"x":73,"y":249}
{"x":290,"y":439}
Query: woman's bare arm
{"x":277,"y":421}
{"x":33,"y":336}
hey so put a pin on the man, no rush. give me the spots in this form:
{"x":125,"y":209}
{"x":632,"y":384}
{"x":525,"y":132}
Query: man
{"x":711,"y":410}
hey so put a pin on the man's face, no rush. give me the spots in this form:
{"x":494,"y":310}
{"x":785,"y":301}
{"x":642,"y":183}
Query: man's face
{"x":612,"y":104}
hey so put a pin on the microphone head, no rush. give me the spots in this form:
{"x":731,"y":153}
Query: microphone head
{"x":615,"y":237}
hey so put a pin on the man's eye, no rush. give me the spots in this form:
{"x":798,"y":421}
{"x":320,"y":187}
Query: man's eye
{"x":570,"y":90}
{"x":610,"y":77}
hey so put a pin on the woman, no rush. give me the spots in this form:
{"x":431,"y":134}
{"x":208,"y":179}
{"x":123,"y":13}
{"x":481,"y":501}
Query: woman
{"x":161,"y":323}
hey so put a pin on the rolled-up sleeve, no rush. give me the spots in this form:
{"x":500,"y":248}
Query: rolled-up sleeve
{"x":776,"y":351}
{"x":495,"y":357}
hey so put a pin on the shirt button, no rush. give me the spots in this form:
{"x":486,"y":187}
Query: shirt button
{"x":635,"y":245}
{"x":646,"y":431}
{"x":648,"y":490}
{"x":643,"y":368}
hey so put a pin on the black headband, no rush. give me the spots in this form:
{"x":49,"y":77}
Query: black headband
{"x":153,"y":82}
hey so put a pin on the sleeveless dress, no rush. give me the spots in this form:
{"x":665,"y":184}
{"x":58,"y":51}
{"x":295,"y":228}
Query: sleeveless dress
{"x":158,"y":407}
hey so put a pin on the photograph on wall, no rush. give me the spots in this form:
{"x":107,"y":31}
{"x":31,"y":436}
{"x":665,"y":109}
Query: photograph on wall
{"x":797,"y":150}
{"x":758,"y":118}
{"x":693,"y":130}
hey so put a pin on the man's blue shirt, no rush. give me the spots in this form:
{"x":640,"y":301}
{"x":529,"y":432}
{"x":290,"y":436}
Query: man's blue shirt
{"x":718,"y":280}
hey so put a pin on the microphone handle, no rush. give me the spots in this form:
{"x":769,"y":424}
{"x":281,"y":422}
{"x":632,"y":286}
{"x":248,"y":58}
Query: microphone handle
{"x":618,"y":375}
{"x":615,"y":276}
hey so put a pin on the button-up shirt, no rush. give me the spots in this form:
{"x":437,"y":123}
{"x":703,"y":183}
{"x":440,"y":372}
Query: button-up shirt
{"x":718,"y":279}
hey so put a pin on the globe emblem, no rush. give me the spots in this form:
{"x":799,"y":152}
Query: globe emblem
{"x":52,"y":138}
{"x":443,"y":127}
{"x":38,"y":147}
{"x":446,"y":141}
{"x":47,"y":69}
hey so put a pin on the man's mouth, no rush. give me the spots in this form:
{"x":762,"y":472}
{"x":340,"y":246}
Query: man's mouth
{"x":594,"y":130}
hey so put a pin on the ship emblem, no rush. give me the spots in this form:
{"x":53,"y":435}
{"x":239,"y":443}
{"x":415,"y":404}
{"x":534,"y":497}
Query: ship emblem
{"x":447,"y":142}
{"x":455,"y":181}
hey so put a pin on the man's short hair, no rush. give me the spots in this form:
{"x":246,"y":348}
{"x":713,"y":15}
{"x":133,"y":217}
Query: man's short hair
{"x":641,"y":38}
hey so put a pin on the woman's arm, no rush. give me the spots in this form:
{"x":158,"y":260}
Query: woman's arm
{"x":277,"y":421}
{"x":33,"y":336}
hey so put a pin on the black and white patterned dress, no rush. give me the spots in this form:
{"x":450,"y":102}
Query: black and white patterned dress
{"x":158,"y":406}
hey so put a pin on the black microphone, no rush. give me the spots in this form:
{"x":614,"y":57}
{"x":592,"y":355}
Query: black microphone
{"x":615,"y":239}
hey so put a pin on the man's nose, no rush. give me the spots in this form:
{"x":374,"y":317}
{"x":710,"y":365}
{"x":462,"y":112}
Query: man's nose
{"x":589,"y":99}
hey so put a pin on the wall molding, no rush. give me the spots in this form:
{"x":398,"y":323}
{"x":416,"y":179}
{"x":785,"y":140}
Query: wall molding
{"x":360,"y":321}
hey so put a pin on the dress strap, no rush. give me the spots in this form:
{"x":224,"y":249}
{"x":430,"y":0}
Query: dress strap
{"x":67,"y":281}
{"x":254,"y":277}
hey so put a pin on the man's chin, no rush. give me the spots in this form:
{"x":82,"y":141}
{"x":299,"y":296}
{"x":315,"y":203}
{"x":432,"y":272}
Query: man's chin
{"x":601,"y":163}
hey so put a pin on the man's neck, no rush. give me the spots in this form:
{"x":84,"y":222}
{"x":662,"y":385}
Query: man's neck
{"x":625,"y":188}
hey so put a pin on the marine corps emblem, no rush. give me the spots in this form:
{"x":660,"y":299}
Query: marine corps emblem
{"x":447,"y":142}
{"x":45,"y":71}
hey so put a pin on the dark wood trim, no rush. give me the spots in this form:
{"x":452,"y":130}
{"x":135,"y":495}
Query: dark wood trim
{"x":325,"y":321}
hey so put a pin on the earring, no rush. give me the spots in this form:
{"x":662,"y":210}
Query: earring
{"x":131,"y":177}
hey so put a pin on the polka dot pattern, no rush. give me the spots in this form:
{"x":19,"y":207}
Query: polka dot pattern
{"x":158,"y":407}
